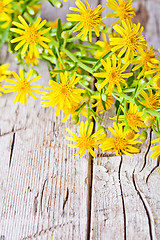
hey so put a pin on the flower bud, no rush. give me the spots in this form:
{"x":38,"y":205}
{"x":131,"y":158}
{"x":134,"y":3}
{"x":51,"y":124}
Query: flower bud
{"x":143,"y":136}
{"x":30,"y":10}
{"x":57,"y":3}
{"x":149,"y":120}
{"x":129,"y":134}
{"x":75,"y":119}
{"x":65,"y":35}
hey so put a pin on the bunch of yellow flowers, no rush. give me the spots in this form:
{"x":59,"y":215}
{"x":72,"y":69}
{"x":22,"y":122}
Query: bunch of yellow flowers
{"x":91,"y":71}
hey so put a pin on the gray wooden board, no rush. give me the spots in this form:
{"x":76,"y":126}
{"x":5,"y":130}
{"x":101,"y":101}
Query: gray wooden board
{"x":47,"y":193}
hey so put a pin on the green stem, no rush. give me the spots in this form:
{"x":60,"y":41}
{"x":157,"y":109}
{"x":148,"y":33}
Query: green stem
{"x":142,"y":87}
{"x":88,"y":117}
{"x":91,"y":91}
{"x":89,"y":46}
{"x":125,"y":112}
{"x":154,"y":130}
{"x":74,"y":59}
{"x":58,"y":74}
{"x":74,"y":28}
{"x":96,"y":121}
{"x":96,"y":115}
{"x":60,"y":57}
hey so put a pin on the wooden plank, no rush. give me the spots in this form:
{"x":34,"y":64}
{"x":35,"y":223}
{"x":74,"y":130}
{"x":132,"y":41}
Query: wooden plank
{"x":44,"y":188}
{"x":125,"y":198}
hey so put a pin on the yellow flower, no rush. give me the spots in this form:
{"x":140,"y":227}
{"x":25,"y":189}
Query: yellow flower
{"x":119,"y":144}
{"x":113,"y":74}
{"x":130,"y":42}
{"x":156,"y":149}
{"x":89,"y":18}
{"x":134,"y":118}
{"x":151,"y":100}
{"x":63,"y":95}
{"x":147,"y":57}
{"x":23,"y":86}
{"x":105,"y":47}
{"x":87,"y":140}
{"x":122,"y":10}
{"x":30,"y":35}
{"x":32,"y":59}
{"x":108,"y":103}
{"x":5,"y":11}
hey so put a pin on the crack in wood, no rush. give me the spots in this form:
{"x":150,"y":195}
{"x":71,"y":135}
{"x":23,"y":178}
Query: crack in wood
{"x":42,"y":194}
{"x":89,"y":205}
{"x":12,"y":146}
{"x":47,"y":230}
{"x":144,"y":202}
{"x":66,"y":199}
{"x":12,"y":131}
{"x":122,"y":197}
{"x":157,"y":165}
{"x":106,"y":155}
{"x":35,"y":204}
{"x":146,"y":154}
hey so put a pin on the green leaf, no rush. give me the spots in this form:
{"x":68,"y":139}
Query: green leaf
{"x":59,"y":29}
{"x":51,"y":3}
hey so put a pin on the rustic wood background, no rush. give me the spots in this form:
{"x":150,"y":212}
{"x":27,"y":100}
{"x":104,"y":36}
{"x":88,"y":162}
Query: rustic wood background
{"x":47,"y":193}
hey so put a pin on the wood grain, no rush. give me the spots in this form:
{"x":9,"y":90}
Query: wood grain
{"x":44,"y":188}
{"x":47,"y":193}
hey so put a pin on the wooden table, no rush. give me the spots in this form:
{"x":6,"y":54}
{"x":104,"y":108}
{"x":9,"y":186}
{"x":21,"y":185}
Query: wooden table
{"x":47,"y":193}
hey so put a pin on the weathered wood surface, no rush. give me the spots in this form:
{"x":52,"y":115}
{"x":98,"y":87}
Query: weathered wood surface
{"x":47,"y":193}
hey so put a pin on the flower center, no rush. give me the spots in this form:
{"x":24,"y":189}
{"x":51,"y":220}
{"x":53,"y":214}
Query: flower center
{"x":133,"y":119}
{"x":114,"y":75}
{"x":89,"y":19}
{"x":122,"y":10}
{"x":23,"y":87}
{"x":131,"y":40}
{"x":66,"y":90}
{"x":120,"y":144}
{"x":153,"y":102}
{"x":85,"y":142}
{"x":31,"y":35}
